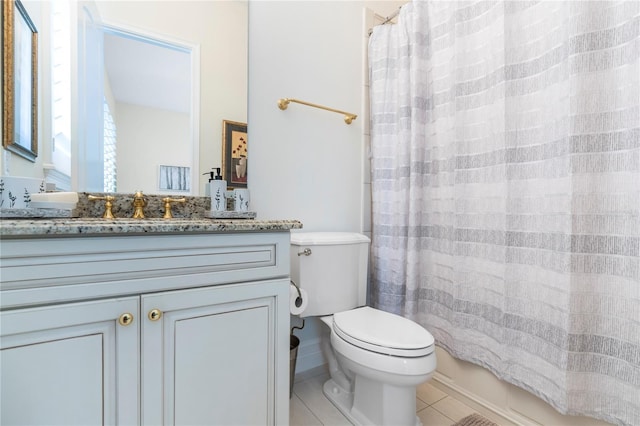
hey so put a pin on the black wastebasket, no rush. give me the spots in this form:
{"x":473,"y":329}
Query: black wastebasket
{"x":294,"y":342}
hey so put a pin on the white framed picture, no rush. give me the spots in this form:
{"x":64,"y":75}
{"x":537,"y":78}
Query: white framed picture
{"x":174,"y":178}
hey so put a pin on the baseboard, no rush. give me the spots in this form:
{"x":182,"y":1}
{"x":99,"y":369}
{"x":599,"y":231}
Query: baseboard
{"x":313,"y":372}
{"x":309,"y":356}
{"x":482,"y":406}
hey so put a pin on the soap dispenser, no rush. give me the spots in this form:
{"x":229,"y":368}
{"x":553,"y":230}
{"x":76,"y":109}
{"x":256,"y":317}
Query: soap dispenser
{"x":217,"y":191}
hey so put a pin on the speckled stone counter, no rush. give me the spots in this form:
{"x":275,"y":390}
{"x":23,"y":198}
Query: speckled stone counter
{"x":30,"y":213}
{"x":193,"y":207}
{"x":17,"y":228}
{"x":86,"y":219}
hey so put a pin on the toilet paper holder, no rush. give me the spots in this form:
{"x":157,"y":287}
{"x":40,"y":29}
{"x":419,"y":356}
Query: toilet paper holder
{"x":298,"y":300}
{"x":295,"y":327}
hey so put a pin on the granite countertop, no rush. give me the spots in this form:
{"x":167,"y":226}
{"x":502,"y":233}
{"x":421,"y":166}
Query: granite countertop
{"x":190,"y":216}
{"x":15,"y":228}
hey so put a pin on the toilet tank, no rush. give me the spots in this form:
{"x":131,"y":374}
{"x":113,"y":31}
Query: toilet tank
{"x":334,"y":274}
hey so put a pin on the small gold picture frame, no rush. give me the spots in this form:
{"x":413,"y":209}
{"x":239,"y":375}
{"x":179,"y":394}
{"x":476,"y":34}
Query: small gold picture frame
{"x":20,"y":81}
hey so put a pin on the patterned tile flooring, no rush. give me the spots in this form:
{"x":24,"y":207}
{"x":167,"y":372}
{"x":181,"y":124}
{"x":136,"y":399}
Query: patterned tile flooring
{"x":309,"y":407}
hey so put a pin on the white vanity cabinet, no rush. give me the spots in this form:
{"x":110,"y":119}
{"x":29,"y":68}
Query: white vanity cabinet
{"x":152,"y":330}
{"x":210,"y":355}
{"x":69,"y":364}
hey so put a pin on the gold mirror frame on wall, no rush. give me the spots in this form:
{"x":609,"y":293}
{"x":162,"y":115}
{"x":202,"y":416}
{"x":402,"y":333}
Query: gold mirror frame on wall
{"x":20,"y":114}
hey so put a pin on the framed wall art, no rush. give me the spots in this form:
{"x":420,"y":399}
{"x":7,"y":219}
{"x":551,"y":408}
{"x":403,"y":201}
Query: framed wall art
{"x":20,"y":81}
{"x":234,"y":153}
{"x":174,"y":178}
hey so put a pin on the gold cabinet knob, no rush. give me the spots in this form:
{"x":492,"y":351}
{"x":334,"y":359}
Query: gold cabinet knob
{"x":154,"y":314}
{"x":125,"y":319}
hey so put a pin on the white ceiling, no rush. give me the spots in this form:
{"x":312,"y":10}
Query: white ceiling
{"x":148,"y":74}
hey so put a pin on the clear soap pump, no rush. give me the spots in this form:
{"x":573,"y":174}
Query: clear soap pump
{"x":217,"y":190}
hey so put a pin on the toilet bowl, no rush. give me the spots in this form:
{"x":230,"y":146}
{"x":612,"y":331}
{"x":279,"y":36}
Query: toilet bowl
{"x":381,"y":358}
{"x":376,"y":359}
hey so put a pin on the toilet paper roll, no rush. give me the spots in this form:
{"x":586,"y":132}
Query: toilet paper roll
{"x":297,"y":304}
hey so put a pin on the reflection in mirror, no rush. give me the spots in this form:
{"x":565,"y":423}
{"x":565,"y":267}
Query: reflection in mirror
{"x":147,"y":113}
{"x":139,"y":117}
{"x":214,"y":33}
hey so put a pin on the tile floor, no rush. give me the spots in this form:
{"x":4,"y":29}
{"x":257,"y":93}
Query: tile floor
{"x":309,"y":407}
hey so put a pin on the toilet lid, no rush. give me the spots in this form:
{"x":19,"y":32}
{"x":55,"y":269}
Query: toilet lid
{"x":383,"y":332}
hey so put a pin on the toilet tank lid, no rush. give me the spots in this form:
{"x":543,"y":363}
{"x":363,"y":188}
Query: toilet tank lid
{"x":327,"y":238}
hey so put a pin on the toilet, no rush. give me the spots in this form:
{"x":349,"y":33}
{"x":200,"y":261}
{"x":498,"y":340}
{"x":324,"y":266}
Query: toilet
{"x":376,"y":359}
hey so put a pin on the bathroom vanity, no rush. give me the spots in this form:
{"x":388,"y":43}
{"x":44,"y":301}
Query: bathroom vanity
{"x":144,"y":321}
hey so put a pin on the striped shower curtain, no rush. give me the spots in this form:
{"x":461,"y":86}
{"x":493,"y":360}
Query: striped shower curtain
{"x":505,"y":140}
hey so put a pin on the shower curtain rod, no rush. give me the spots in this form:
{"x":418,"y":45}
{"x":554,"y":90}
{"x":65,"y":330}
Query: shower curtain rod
{"x":386,"y":20}
{"x":390,"y":17}
{"x":284,"y":103}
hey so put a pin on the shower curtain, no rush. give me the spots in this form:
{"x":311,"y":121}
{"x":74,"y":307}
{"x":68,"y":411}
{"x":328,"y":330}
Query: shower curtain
{"x":505,"y":144}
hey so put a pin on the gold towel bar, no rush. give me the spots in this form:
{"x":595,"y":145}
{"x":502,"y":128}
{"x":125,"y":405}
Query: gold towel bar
{"x":284,"y":103}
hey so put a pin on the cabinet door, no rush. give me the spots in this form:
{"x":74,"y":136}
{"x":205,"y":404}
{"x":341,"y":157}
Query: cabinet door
{"x":71,"y":364}
{"x":213,"y":355}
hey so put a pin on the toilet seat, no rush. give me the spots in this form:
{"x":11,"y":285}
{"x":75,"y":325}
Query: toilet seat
{"x":383,"y":332}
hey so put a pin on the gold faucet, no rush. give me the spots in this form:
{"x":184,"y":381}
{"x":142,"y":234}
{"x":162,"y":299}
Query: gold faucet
{"x":139,"y":202}
{"x":167,"y":205}
{"x":108,"y":214}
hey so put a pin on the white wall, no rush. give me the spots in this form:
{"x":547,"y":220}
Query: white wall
{"x":306,"y":163}
{"x":309,"y":162}
{"x":146,"y":139}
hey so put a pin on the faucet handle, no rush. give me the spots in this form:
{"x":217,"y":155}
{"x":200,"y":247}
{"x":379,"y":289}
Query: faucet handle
{"x":108,"y":214}
{"x":167,"y":205}
{"x":139,"y":202}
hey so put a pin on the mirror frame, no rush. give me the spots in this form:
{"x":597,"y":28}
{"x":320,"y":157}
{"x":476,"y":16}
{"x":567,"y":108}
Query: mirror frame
{"x":29,"y":72}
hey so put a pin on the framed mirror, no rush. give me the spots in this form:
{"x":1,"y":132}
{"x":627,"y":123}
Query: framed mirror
{"x":20,"y":81}
{"x":213,"y":36}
